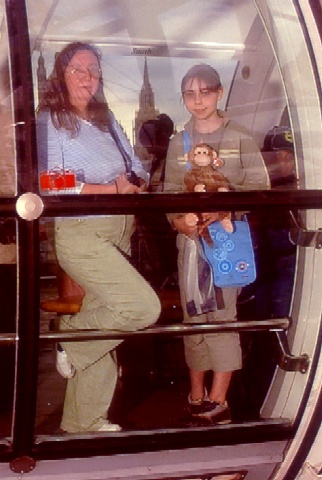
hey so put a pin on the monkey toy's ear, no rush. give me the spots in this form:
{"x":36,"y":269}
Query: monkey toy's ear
{"x":217,"y":161}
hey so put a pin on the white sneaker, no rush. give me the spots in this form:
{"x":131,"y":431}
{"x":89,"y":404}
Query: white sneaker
{"x":109,"y":427}
{"x":63,"y":365}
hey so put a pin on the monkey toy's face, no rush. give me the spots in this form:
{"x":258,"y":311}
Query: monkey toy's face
{"x":203,"y":156}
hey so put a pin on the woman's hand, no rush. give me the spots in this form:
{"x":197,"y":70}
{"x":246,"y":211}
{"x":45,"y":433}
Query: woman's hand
{"x":124,"y":186}
{"x":143,"y":185}
{"x":120,"y":185}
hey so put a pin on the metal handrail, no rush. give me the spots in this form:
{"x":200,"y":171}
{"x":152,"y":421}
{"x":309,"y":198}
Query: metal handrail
{"x":277,"y":324}
{"x":112,"y":204}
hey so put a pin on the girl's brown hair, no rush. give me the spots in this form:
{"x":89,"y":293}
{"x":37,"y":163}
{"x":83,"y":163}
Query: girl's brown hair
{"x":204,"y":73}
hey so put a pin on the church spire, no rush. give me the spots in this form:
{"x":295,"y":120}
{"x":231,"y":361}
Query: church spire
{"x":146,"y":79}
{"x":146,"y":112}
{"x":146,"y":96}
{"x":41,"y":76}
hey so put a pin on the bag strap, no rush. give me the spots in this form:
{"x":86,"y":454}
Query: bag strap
{"x":186,"y":146}
{"x":126,"y":157}
{"x":186,"y":141}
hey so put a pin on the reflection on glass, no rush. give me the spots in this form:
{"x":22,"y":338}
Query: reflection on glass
{"x":7,"y":157}
{"x":279,"y":156}
{"x":158,"y":55}
{"x":150,"y":108}
{"x":7,"y":154}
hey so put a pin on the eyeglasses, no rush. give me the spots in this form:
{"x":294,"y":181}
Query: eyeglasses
{"x":93,"y":72}
{"x":203,"y":92}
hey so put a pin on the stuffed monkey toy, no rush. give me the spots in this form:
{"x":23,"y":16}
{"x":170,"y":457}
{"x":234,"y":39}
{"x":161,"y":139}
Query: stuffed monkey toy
{"x":204,"y":177}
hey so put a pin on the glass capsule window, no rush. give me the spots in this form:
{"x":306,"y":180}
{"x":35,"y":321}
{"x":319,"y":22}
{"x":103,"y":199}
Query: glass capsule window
{"x":74,"y":307}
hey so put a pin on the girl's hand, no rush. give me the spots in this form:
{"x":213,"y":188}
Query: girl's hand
{"x":191,"y":219}
{"x":124,"y":186}
{"x":182,"y":226}
{"x":207,"y":219}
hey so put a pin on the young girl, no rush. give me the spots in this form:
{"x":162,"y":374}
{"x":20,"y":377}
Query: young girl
{"x":244,"y":168}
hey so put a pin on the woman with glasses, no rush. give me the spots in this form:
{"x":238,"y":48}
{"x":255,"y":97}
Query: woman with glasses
{"x":77,"y":131}
{"x":243,"y":166}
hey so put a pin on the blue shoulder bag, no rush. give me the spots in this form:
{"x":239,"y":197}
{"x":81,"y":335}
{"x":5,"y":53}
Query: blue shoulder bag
{"x":231,"y":256}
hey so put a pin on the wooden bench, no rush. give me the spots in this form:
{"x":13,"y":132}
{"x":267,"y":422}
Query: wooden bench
{"x":70,"y":296}
{"x":62,"y":305}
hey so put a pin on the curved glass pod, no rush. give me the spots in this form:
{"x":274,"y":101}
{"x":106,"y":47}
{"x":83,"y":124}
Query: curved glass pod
{"x":259,"y":60}
{"x":297,"y":46}
{"x":303,"y":99}
{"x":260,"y":50}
